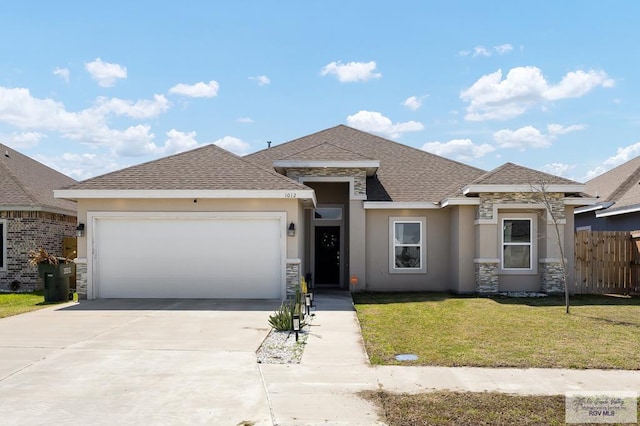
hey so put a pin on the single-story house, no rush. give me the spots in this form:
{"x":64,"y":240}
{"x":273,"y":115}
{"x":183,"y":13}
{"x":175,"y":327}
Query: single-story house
{"x":30,"y":217}
{"x":618,"y":205}
{"x":354,"y":210}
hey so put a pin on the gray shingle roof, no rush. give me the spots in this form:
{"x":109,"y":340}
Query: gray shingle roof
{"x":205,"y":168}
{"x":326,"y":152}
{"x":621,"y":185}
{"x":24,"y":182}
{"x":405,"y":174}
{"x":513,"y":174}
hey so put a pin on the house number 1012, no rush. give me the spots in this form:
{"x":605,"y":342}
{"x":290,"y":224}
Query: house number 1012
{"x":290,"y":195}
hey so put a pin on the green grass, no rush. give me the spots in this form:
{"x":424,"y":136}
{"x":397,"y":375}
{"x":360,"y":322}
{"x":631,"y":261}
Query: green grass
{"x":19,"y":303}
{"x":445,"y":330}
{"x":467,"y":408}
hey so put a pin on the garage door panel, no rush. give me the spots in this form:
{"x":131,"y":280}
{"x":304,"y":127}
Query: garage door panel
{"x":188,"y":258}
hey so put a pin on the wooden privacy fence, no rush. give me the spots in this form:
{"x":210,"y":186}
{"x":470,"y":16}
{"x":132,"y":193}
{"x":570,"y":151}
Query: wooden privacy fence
{"x":607,"y":262}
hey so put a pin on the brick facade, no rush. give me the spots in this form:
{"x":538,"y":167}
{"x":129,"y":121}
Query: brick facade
{"x":488,"y":200}
{"x":552,"y":277}
{"x":28,"y":230}
{"x":293,"y":278}
{"x":486,"y":277}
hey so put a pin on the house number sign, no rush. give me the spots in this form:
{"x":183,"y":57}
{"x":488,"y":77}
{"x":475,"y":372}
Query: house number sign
{"x":290,"y":195}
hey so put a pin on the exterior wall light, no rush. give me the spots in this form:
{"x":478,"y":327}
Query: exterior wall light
{"x":291,"y":231}
{"x":80,"y":230}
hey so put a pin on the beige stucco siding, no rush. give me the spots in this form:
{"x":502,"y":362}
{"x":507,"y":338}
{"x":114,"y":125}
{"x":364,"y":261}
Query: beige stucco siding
{"x":462,"y":249}
{"x":294,"y":213}
{"x":438,"y":250}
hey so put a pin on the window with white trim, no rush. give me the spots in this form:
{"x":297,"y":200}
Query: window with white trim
{"x":407,"y":245}
{"x":3,"y":245}
{"x":517,"y":244}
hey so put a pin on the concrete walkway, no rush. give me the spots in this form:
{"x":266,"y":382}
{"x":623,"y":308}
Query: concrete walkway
{"x":335,"y":366}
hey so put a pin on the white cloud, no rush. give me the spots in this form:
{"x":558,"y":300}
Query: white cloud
{"x":458,"y":149}
{"x":371,"y":121}
{"x":464,"y":52}
{"x":179,"y":142}
{"x":82,"y":166}
{"x":492,"y":98}
{"x":22,"y":140}
{"x":105,"y":73}
{"x":235,"y":145}
{"x":19,"y":109}
{"x":558,"y":169}
{"x":351,"y":71}
{"x":198,"y":90}
{"x":412,"y":102}
{"x":245,"y":120}
{"x":623,"y":154}
{"x":558,"y":129}
{"x":481,"y":51}
{"x":140,"y":109}
{"x":63,"y":73}
{"x":503,"y":48}
{"x":525,"y":137}
{"x":262,"y":80}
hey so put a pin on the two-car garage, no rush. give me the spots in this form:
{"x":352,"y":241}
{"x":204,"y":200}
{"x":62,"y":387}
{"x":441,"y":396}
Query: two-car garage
{"x":187,"y":255}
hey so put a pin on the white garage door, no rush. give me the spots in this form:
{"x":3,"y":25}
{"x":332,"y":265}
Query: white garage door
{"x":160,"y":257}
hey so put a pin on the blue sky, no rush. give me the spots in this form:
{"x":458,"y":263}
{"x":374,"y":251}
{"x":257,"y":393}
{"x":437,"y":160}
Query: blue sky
{"x":88,"y":88}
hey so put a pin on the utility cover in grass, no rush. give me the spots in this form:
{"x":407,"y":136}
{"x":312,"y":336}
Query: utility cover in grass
{"x":406,"y":357}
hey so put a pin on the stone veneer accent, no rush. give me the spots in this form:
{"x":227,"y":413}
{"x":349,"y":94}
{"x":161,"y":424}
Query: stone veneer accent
{"x":486,"y":277}
{"x":81,"y":279}
{"x":551,"y":277}
{"x":28,"y":230}
{"x":487,"y":201}
{"x":293,"y":277}
{"x":359,"y":176}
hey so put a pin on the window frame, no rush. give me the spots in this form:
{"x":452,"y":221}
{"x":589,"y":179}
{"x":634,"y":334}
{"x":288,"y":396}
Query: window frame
{"x":393,"y":269}
{"x":530,"y":244}
{"x":3,"y":244}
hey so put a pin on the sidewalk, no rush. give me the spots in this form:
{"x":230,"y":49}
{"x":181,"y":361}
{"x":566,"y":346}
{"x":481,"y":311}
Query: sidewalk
{"x":322,"y":388}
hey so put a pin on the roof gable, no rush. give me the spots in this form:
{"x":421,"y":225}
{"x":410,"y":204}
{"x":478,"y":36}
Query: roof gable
{"x":27,"y":183}
{"x":406,"y":174}
{"x":620,"y":186}
{"x":514,"y":174}
{"x":206,"y":168}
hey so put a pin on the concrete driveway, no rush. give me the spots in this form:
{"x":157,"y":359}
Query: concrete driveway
{"x":135,"y":362}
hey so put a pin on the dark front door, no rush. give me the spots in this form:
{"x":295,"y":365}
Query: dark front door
{"x":327,"y":257}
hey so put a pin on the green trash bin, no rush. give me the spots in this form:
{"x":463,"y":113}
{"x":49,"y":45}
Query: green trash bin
{"x":56,"y":280}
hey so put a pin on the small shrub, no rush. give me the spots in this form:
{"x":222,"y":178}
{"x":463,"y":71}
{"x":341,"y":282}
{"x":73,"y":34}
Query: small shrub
{"x":282,"y":319}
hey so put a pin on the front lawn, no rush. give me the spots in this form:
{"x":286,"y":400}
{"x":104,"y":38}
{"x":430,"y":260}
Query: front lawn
{"x":19,"y":303}
{"x":446,"y":330}
{"x":468,"y":408}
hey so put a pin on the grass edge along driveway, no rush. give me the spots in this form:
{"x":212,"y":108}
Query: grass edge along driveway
{"x":446,"y":330}
{"x":19,"y":303}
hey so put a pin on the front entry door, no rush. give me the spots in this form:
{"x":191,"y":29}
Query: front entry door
{"x":327,"y":255}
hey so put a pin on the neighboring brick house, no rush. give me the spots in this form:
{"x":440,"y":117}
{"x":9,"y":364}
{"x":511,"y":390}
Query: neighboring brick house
{"x":30,"y":216}
{"x":618,"y":207}
{"x":353,"y":210}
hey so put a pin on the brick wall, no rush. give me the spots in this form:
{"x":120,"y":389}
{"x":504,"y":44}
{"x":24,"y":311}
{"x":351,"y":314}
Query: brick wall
{"x":28,"y":230}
